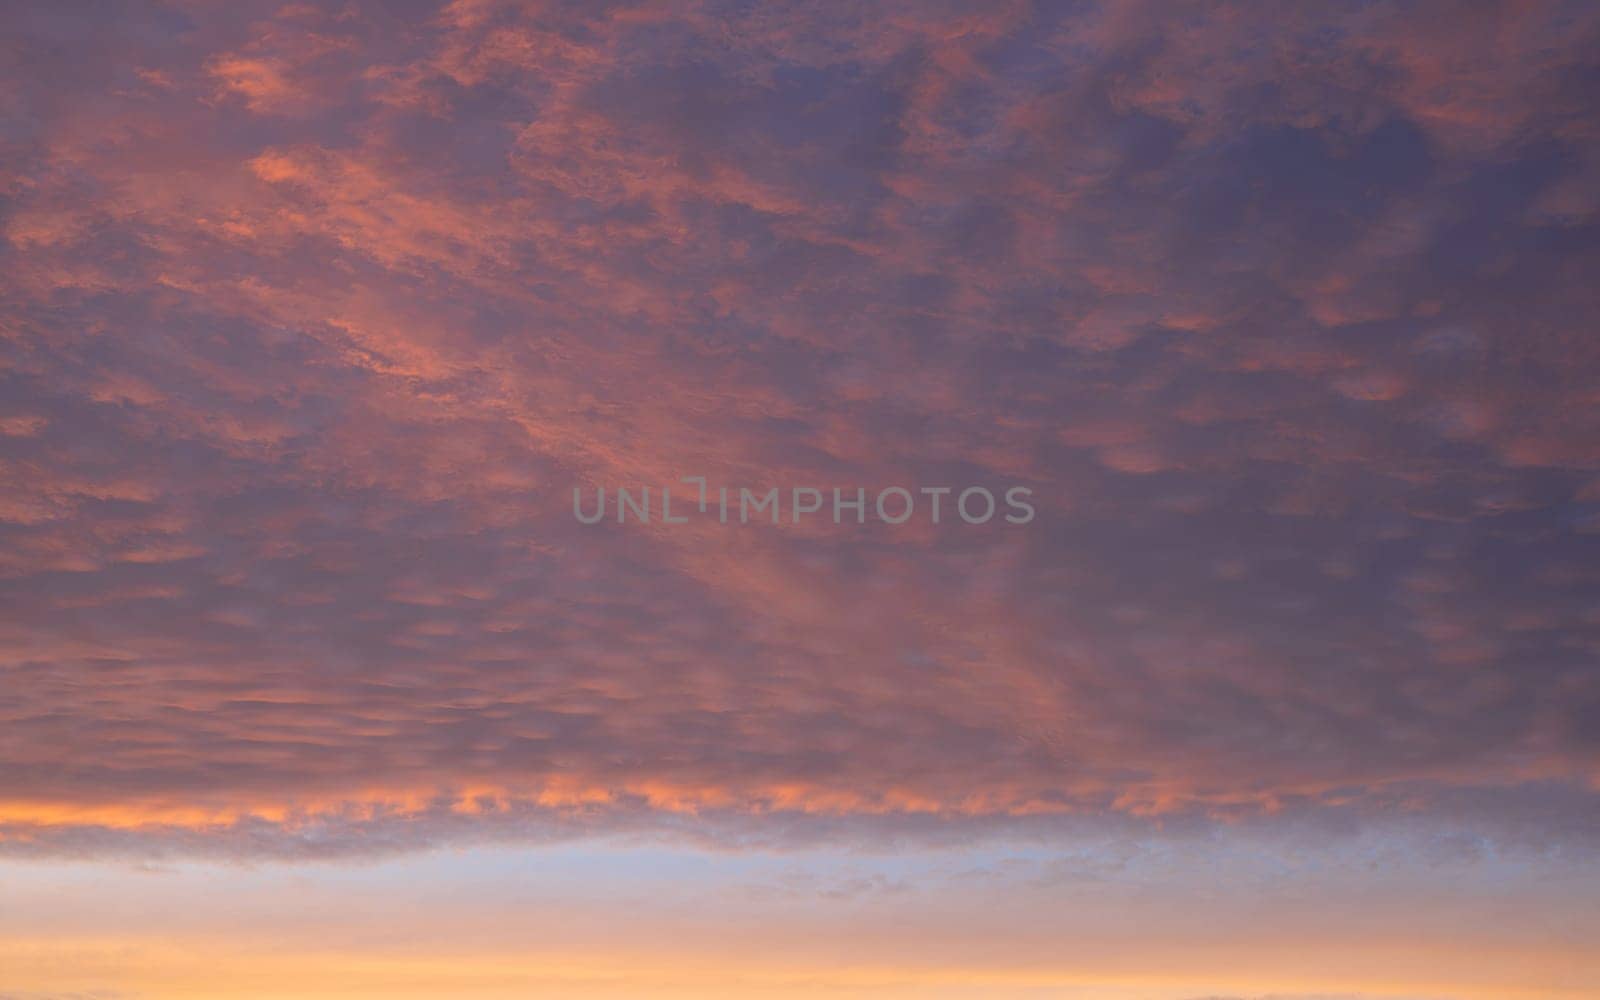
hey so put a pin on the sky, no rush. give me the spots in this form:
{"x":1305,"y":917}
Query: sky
{"x":322,"y":325}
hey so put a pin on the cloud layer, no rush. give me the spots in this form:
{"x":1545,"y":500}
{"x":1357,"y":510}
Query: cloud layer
{"x":314,"y":316}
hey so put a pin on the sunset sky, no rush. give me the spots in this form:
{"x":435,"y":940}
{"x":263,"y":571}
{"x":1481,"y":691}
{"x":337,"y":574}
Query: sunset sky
{"x":313,"y":317}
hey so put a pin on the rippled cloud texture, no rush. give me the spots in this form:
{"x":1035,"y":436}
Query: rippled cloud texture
{"x":314,"y":315}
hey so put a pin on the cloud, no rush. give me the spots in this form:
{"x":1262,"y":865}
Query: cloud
{"x":314,"y":318}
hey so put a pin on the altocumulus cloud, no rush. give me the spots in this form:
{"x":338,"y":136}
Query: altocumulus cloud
{"x":314,"y":316}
